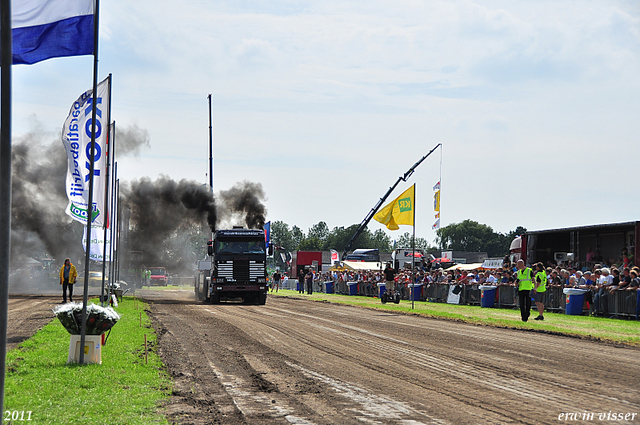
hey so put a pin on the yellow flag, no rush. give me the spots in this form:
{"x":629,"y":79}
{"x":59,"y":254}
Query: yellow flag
{"x":398,"y":211}
{"x":436,"y":201}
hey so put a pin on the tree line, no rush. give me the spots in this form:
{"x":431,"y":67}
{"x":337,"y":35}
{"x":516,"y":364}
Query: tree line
{"x":465,"y":236}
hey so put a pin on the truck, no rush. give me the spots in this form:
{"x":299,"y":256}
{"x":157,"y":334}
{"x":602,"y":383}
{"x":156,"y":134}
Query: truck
{"x":237,"y":268}
{"x":403,"y":258}
{"x":158,"y":276}
{"x":364,"y":255}
{"x":583,"y":245}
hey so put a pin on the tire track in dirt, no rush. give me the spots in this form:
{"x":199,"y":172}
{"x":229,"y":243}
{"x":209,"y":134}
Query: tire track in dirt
{"x":476,"y":376}
{"x":401,"y":376}
{"x":238,"y":365}
{"x":310,"y":358}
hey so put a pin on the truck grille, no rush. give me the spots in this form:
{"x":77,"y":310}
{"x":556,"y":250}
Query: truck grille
{"x":241,"y":270}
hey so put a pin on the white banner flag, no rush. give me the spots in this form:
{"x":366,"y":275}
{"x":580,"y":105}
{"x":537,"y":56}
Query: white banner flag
{"x":335,"y":257}
{"x":76,"y":137}
{"x":97,"y":244}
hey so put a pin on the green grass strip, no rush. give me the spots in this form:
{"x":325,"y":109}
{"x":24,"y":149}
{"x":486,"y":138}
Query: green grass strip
{"x":617,"y":331}
{"x":122,"y":390}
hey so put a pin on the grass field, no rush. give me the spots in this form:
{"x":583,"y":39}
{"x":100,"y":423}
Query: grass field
{"x":618,"y":331}
{"x":122,"y":390}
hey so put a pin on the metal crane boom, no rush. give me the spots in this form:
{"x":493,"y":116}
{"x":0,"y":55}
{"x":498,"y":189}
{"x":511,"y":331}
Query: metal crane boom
{"x":373,"y":211}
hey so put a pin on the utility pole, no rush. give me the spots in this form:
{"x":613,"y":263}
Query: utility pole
{"x":210,"y":146}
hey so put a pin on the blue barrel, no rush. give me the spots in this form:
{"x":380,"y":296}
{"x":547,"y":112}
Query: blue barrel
{"x":574,"y":300}
{"x":353,"y":288}
{"x":487,"y":296}
{"x":382,"y":288}
{"x":415,"y":291}
{"x":328,"y":287}
{"x":298,"y":287}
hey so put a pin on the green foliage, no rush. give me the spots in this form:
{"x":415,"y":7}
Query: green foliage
{"x":297,"y":235}
{"x":405,"y":241}
{"x":472,"y":236}
{"x":122,"y":390}
{"x":281,"y":236}
{"x":311,"y":244}
{"x":320,"y":238}
{"x":319,"y":231}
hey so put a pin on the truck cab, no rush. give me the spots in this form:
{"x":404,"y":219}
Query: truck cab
{"x":238,"y":267}
{"x":158,"y":276}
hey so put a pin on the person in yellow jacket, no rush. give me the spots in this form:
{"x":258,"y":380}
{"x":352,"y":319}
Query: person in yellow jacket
{"x":68,"y":276}
{"x":524,"y":278}
{"x":540,"y":287}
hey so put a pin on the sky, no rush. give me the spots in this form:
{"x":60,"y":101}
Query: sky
{"x":326,"y":104}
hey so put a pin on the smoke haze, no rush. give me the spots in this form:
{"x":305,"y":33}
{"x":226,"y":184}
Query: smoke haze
{"x":171,"y":221}
{"x":168,"y":224}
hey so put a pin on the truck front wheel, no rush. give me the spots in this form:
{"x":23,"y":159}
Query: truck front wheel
{"x":215,"y":298}
{"x":262,"y":299}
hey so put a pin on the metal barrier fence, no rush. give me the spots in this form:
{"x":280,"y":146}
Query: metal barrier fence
{"x":618,"y":304}
{"x":182,"y":281}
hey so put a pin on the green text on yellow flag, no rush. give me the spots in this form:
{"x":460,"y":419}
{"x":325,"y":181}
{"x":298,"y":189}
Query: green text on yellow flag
{"x":398,"y":211}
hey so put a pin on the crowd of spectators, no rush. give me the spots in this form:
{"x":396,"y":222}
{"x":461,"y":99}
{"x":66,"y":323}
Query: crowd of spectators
{"x":600,"y":280}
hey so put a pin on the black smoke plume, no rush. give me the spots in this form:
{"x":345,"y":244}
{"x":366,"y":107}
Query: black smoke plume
{"x":246,"y":198}
{"x":39,"y":225}
{"x":169,"y":222}
{"x":131,"y":140}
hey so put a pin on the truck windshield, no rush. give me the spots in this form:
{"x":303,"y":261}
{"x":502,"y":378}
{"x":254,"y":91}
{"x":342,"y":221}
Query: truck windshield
{"x":157,"y":271}
{"x":240,"y":247}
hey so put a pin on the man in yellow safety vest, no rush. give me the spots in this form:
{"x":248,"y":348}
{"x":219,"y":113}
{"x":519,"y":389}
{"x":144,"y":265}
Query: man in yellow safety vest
{"x":524,"y":278}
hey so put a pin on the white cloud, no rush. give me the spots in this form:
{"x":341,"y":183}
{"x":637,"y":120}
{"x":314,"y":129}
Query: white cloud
{"x":332,"y":101}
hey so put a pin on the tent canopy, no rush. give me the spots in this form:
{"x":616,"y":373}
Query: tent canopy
{"x":362,"y":265}
{"x":467,"y":267}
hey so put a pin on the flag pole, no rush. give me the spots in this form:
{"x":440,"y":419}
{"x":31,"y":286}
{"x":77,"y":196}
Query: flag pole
{"x":117,"y":230}
{"x":108,"y":213}
{"x":413,"y":245}
{"x":114,"y":220}
{"x":94,"y":107}
{"x":5,"y":183}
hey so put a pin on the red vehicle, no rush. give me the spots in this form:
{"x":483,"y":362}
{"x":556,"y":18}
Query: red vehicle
{"x":158,"y":276}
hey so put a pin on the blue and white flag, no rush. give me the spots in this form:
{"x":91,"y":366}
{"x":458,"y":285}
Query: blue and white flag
{"x":76,"y":137}
{"x":44,"y":29}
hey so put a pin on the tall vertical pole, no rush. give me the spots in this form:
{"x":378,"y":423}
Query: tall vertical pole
{"x":117,"y":264}
{"x":85,"y":297}
{"x":5,"y":183}
{"x":108,"y":212}
{"x":413,"y":245}
{"x":114,"y":220}
{"x":210,"y":145}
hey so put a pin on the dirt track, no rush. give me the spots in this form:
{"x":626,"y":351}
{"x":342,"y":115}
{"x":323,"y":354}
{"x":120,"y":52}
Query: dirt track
{"x":301,"y":362}
{"x":26,"y":315}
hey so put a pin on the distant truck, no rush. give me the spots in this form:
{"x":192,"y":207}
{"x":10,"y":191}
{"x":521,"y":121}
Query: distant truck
{"x":159,"y":276}
{"x":364,"y":255}
{"x":238,"y":268}
{"x":584,"y":246}
{"x":403,"y":258}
